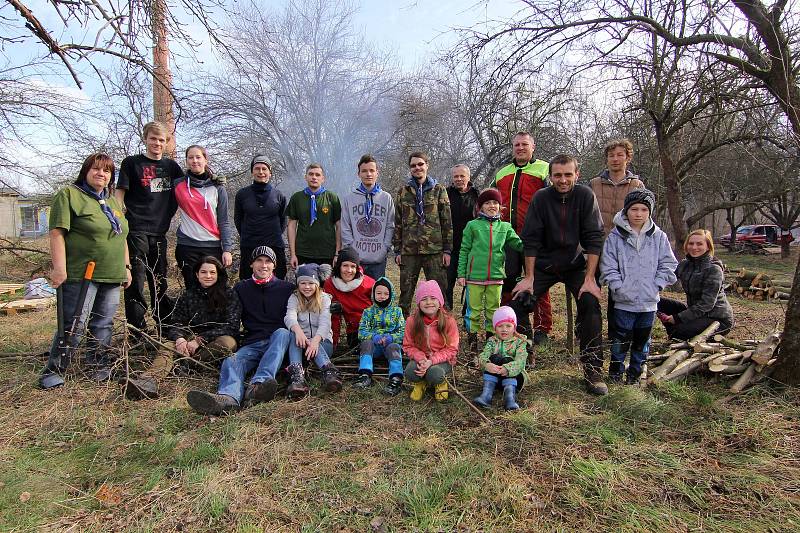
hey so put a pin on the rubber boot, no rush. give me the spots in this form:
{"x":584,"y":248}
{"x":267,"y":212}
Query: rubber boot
{"x":510,"y":397}
{"x":485,"y":398}
{"x":441,"y":392}
{"x":418,"y":390}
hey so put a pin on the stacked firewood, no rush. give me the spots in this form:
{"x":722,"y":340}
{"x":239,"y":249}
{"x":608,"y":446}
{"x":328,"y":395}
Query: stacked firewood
{"x":759,"y":286}
{"x":750,"y":360}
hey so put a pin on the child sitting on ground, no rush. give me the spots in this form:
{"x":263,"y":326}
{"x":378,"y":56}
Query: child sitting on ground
{"x":308,"y":318}
{"x":636,"y":264}
{"x":503,"y":360}
{"x":481,"y":264}
{"x":431,"y":342}
{"x":381,"y":333}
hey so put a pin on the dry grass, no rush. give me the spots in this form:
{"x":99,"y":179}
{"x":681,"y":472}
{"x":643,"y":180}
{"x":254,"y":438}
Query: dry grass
{"x":677,"y":457}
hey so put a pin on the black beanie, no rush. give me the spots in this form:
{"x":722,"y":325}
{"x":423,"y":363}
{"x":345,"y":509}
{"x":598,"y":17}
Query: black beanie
{"x":640,"y":196}
{"x":348,"y":253}
{"x":260,"y":158}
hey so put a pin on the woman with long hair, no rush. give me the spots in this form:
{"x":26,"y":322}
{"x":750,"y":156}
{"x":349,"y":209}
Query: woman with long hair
{"x":203,"y":327}
{"x":701,"y":275}
{"x":204,"y":228}
{"x":86,"y":224}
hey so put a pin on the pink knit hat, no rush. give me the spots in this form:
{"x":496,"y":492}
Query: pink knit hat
{"x":429,"y":288}
{"x":504,"y":314}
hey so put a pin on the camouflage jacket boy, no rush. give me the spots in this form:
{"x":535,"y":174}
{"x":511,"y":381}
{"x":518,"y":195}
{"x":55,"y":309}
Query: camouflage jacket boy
{"x":415,"y":236}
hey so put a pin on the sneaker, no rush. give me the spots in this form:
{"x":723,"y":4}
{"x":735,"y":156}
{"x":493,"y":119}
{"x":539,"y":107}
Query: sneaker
{"x":141,"y":388}
{"x":99,"y":374}
{"x":440,"y":392}
{"x":363,"y":381}
{"x":207,"y":403}
{"x":394,"y":386}
{"x":331,"y":381}
{"x":418,"y":391}
{"x":260,"y":392}
{"x":540,"y":337}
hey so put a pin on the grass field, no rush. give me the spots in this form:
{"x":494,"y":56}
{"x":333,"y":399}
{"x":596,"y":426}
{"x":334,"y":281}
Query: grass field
{"x":677,"y":457}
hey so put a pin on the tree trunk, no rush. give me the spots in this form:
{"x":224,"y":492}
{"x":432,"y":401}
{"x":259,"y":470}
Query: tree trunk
{"x":672,"y":184}
{"x":787,"y":368}
{"x":162,"y":77}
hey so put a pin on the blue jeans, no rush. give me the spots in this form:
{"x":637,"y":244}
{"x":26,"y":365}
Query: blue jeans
{"x":323,"y":357}
{"x":375,"y":270}
{"x":632,"y":333}
{"x":392,"y":352}
{"x":265,"y":356}
{"x":100,"y":306}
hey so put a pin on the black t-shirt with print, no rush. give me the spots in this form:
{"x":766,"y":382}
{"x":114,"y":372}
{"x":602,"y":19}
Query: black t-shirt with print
{"x":149,"y":200}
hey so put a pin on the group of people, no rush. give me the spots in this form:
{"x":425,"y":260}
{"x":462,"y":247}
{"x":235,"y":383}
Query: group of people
{"x":506,"y":245}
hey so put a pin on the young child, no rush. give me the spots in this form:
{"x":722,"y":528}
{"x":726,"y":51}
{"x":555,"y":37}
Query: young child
{"x":308,"y":317}
{"x":431,"y":342}
{"x":503,"y":359}
{"x":637,"y":263}
{"x":481,"y":263}
{"x":351,"y":292}
{"x":381,"y":333}
{"x":313,"y":230}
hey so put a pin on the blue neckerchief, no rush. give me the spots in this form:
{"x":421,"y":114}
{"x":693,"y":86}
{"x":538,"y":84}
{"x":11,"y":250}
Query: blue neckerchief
{"x":369,"y":194}
{"x":419,"y":205}
{"x":313,"y":196}
{"x":101,"y":199}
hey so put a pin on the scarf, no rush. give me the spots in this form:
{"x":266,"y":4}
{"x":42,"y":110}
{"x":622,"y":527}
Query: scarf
{"x":484,"y":216}
{"x":261,"y":191}
{"x":259,"y":281}
{"x":101,"y":199}
{"x":419,"y":207}
{"x":313,"y":196}
{"x":369,"y":198}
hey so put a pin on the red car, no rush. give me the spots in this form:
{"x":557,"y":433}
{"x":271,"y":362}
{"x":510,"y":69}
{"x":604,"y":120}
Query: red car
{"x":759,"y":234}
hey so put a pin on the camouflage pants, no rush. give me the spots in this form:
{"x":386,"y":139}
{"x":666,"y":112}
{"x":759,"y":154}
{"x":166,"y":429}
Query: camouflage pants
{"x":409,"y":275}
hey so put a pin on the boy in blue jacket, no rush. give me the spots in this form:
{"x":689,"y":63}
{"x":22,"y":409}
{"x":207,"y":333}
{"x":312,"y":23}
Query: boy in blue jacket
{"x":381,"y":333}
{"x":637,"y":263}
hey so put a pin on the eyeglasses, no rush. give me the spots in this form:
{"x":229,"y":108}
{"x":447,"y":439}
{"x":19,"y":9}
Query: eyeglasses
{"x":413,"y":165}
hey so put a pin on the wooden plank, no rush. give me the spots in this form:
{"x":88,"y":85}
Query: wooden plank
{"x":10,"y":308}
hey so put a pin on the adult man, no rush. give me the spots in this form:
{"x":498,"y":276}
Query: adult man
{"x":368,"y":219}
{"x":611,"y":187}
{"x":422,"y":233}
{"x":259,"y":214}
{"x":144,"y":188}
{"x":314,"y":230}
{"x":463,"y":197}
{"x":518,"y":182}
{"x":264,"y":298}
{"x":562,"y":223}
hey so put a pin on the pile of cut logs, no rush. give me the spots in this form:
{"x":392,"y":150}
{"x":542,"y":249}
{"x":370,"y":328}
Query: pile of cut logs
{"x":759,"y":286}
{"x":750,"y":360}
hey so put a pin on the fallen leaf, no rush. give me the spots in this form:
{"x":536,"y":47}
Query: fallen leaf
{"x":108,"y":495}
{"x":25,"y":496}
{"x":377,"y":525}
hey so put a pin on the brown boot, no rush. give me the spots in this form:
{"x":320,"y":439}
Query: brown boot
{"x":298,"y":388}
{"x":331,"y":381}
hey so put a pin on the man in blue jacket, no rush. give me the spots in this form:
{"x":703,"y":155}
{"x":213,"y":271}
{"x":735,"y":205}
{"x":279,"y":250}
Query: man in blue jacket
{"x":265,"y":341}
{"x":562,"y":224}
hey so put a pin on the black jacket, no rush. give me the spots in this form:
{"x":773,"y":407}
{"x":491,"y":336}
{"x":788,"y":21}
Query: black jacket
{"x":192,"y":317}
{"x":559,"y":228}
{"x":462,"y":210}
{"x":263,"y":307}
{"x":263,"y":223}
{"x":702,"y":279}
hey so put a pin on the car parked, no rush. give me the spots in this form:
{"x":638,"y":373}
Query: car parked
{"x":757,"y":235}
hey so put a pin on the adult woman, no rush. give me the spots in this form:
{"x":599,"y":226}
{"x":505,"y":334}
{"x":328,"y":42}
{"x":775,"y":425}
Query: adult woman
{"x":87,"y":225}
{"x":204,"y":229}
{"x":259,"y":216}
{"x":204,"y":326}
{"x":701,"y":276}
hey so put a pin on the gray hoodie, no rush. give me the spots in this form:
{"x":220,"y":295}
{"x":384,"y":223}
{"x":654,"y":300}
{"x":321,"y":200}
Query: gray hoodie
{"x":312,"y":324}
{"x":372,"y":239}
{"x":636,"y":267}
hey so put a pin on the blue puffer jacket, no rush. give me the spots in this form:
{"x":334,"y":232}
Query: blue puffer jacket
{"x":636,"y":267}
